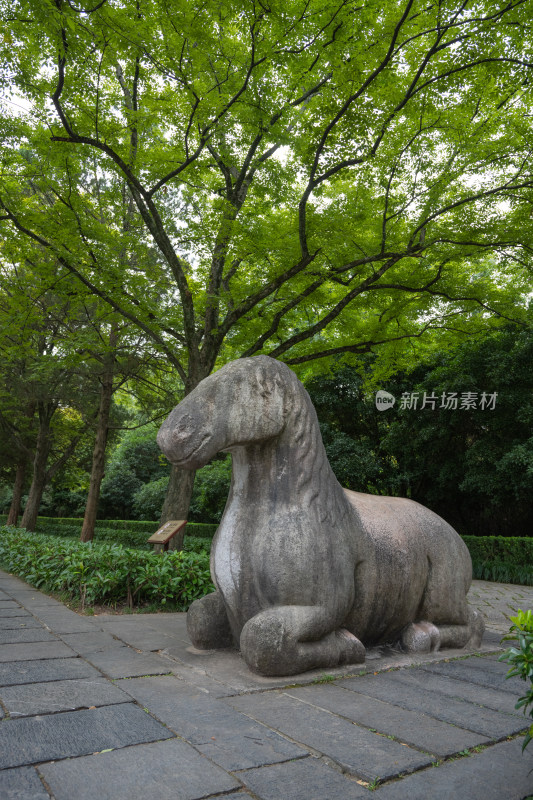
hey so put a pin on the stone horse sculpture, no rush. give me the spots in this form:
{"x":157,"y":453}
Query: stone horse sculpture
{"x":306,"y":572}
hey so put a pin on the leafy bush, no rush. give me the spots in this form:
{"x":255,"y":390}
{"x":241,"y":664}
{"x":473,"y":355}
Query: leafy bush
{"x":148,"y":500}
{"x":211,"y":489}
{"x":136,"y":461}
{"x":105,"y":573}
{"x":195,"y":544}
{"x":521,"y":660}
{"x":505,"y":559}
{"x":503,"y":572}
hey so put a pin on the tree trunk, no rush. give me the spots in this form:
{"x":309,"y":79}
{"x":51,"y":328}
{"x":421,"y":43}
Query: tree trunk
{"x":98,"y":464}
{"x":29,"y":518}
{"x":18,"y":487}
{"x":178,"y":500}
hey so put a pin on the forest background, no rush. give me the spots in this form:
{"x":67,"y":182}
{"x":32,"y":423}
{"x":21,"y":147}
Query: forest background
{"x":345,"y":186}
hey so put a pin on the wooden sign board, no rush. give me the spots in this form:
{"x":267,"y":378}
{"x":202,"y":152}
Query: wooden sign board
{"x":167,"y":531}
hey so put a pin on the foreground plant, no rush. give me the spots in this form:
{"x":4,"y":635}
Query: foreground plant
{"x":521,"y":660}
{"x":106,"y":573}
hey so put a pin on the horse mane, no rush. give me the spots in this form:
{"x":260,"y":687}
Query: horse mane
{"x":316,"y":483}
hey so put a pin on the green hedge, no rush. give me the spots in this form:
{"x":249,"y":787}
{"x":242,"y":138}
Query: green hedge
{"x":503,"y":572}
{"x":139,"y":527}
{"x":104,"y":573}
{"x":112,"y":535}
{"x":512,"y":549}
{"x":505,"y":559}
{"x":139,"y":541}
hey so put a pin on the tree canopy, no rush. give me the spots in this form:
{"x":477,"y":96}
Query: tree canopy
{"x":469,"y":459}
{"x":300,"y":178}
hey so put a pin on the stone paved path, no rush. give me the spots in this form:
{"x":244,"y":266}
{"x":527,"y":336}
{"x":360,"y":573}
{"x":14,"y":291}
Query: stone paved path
{"x":123,"y":707}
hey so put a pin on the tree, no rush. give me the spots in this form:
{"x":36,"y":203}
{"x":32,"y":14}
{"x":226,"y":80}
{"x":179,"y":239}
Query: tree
{"x":64,"y":355}
{"x":472,"y":462}
{"x":316,"y":178}
{"x":136,"y":461}
{"x":353,"y":432}
{"x":46,"y":402}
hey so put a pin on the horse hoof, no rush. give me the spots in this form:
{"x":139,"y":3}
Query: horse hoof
{"x":352,"y":650}
{"x":207,"y":623}
{"x":420,"y":637}
{"x":477,"y":626}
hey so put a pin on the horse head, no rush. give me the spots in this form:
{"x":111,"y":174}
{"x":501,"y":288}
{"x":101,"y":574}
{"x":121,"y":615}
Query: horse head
{"x":244,"y":402}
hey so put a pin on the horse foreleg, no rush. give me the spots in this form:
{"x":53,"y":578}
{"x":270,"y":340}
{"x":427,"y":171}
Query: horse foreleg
{"x":285,"y":640}
{"x":208,"y":624}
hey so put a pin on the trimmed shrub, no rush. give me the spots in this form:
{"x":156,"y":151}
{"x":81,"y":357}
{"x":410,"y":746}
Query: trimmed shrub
{"x":505,"y":559}
{"x":139,"y":528}
{"x":105,"y":573}
{"x":511,"y":549}
{"x":503,"y":572}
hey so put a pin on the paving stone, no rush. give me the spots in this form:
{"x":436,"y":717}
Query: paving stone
{"x":232,"y":796}
{"x":61,"y":620}
{"x":493,"y":659}
{"x":34,"y":651}
{"x":5,"y":604}
{"x":15,"y":673}
{"x":465,"y":715}
{"x":170,"y":770}
{"x":44,"y":698}
{"x":462,"y":690}
{"x":123,"y":662}
{"x":22,"y":783}
{"x":490,"y":661}
{"x":16,"y":611}
{"x":30,"y":599}
{"x":4,"y":596}
{"x":492,"y":639}
{"x":148,"y":631}
{"x":198,"y":679}
{"x":499,"y":772}
{"x":90,"y":642}
{"x":221,"y":733}
{"x":20,"y":622}
{"x":464,"y":671}
{"x":169,"y":623}
{"x":305,"y":779}
{"x":411,"y":727}
{"x":150,"y":640}
{"x":359,"y":751}
{"x":75,"y":733}
{"x":9,"y":583}
{"x":26,"y":635}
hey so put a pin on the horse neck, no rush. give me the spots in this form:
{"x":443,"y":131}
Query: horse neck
{"x":289,"y":470}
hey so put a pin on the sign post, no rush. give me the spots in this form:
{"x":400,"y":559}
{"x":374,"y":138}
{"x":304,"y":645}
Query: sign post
{"x":161,"y":538}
